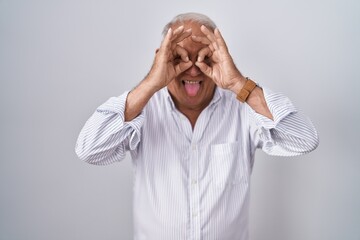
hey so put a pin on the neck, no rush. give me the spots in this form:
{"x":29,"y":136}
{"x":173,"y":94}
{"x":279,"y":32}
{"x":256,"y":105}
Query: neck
{"x":192,"y":115}
{"x":192,"y":112}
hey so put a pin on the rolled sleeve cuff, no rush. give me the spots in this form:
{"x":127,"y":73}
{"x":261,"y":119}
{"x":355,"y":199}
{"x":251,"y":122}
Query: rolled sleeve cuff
{"x":279,"y":105}
{"x":135,"y":125}
{"x":117,"y":105}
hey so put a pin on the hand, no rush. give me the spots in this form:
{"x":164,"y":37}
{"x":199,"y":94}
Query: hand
{"x":221,"y":68}
{"x":170,"y":59}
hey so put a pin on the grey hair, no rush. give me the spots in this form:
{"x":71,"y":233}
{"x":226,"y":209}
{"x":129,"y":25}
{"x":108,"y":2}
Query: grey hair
{"x":190,"y":17}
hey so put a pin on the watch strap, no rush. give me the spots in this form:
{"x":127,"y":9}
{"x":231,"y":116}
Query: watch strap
{"x":244,"y":93}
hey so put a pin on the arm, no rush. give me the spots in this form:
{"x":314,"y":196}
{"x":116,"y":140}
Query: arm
{"x":106,"y":136}
{"x":223,"y":71}
{"x":289,"y":133}
{"x":276,"y":126}
{"x":115,"y":125}
{"x":162,"y":72}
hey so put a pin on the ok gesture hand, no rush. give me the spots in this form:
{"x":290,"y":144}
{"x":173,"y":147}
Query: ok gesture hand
{"x":170,"y":59}
{"x":221,"y":69}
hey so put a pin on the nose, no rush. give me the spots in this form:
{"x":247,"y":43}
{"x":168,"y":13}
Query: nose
{"x":193,"y":71}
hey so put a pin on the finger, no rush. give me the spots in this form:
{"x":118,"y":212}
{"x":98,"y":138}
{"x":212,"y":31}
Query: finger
{"x":179,"y":51}
{"x":220,"y":39}
{"x":182,"y":36}
{"x":177,"y":32}
{"x":166,"y":41}
{"x":182,"y":66}
{"x":203,"y":40}
{"x":209,"y":34}
{"x":179,"y":29}
{"x":204,"y":68}
{"x":200,"y":39}
{"x":205,"y":52}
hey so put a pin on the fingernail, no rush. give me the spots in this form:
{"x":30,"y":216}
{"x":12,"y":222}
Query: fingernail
{"x":187,"y":59}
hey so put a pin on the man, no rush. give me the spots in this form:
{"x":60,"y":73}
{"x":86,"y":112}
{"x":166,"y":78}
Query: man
{"x":192,"y":127}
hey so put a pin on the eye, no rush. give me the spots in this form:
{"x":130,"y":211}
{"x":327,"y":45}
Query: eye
{"x":207,"y":60}
{"x":177,"y":59}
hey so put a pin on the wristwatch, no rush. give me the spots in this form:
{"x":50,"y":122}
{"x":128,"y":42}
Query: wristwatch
{"x":244,"y":93}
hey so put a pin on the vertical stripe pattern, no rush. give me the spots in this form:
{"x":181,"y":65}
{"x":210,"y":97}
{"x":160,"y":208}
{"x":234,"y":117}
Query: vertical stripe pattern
{"x":193,"y":183}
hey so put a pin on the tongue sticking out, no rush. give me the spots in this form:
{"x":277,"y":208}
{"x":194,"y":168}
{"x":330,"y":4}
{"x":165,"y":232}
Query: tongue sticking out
{"x":192,"y":88}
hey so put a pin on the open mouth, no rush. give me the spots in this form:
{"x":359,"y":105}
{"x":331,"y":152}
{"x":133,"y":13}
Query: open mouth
{"x":191,"y":87}
{"x":191,"y":82}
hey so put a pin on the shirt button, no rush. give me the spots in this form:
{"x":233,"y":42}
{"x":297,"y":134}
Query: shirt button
{"x":193,"y":182}
{"x":195,"y":215}
{"x":193,"y":147}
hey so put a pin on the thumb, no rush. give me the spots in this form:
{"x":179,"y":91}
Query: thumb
{"x":204,"y":68}
{"x":182,"y":66}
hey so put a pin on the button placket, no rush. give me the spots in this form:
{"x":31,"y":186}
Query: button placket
{"x":194,"y":191}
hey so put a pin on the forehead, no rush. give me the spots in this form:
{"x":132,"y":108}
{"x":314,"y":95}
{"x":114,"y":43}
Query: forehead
{"x":188,"y":43}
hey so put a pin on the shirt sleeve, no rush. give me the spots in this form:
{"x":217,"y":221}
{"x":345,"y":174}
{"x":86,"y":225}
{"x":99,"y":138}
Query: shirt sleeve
{"x":106,"y":136}
{"x":289,"y":134}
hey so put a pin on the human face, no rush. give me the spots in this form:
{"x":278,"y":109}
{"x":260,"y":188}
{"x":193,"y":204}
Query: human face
{"x":192,"y":89}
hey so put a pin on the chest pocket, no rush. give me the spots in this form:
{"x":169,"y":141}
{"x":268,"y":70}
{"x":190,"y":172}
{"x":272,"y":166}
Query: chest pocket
{"x":228,"y":165}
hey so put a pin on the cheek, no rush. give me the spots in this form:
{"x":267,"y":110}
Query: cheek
{"x":209,"y":83}
{"x":174,"y":86}
{"x":209,"y":87}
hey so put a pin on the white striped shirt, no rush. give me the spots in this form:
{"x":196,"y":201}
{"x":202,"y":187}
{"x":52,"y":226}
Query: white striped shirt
{"x":193,"y":183}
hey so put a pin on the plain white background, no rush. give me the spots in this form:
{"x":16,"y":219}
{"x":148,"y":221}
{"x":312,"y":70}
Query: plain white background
{"x":59,"y":60}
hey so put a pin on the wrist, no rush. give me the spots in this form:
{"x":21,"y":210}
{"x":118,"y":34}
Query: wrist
{"x":238,"y":84}
{"x":246,"y":90}
{"x":150,"y":84}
